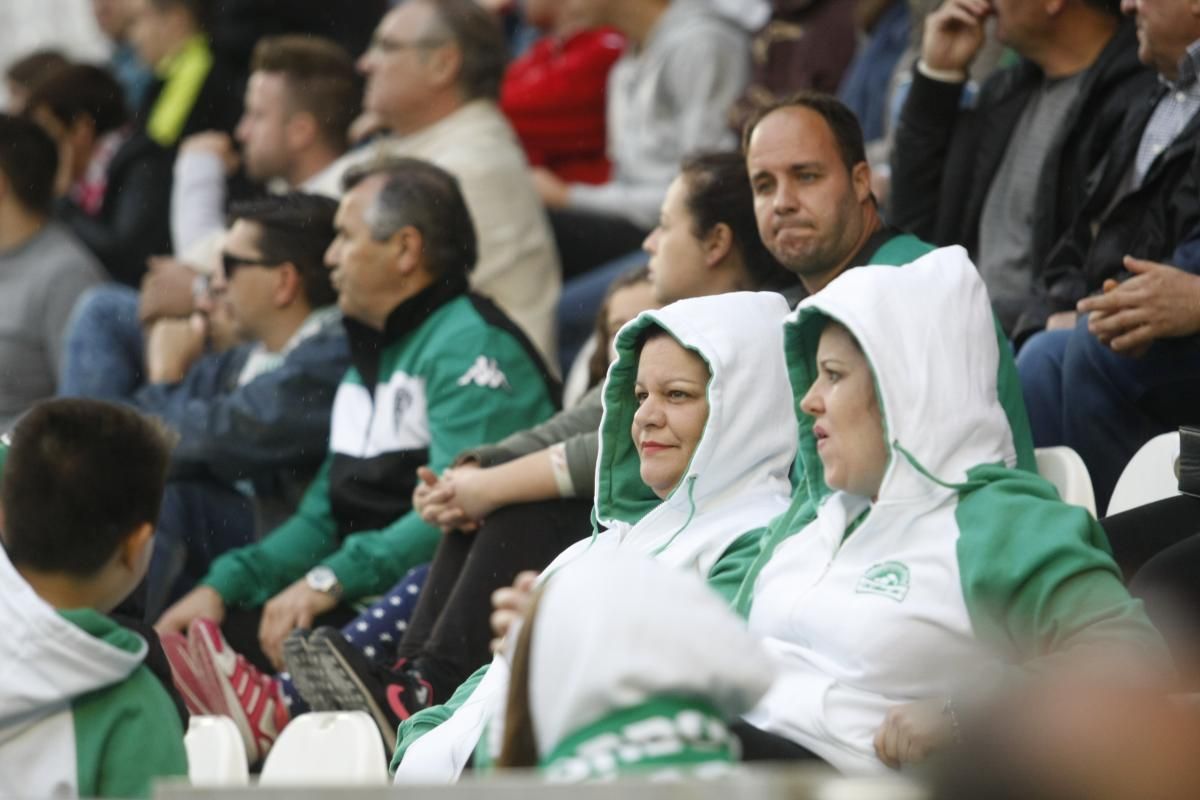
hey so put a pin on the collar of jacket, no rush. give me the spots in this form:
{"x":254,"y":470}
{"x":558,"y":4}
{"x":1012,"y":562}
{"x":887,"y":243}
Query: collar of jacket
{"x":366,"y":343}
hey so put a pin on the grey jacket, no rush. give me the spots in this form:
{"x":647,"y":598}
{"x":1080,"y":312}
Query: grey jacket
{"x":576,"y":427}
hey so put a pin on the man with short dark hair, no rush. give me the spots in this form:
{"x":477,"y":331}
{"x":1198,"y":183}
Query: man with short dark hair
{"x":301,"y":98}
{"x":114,"y":182}
{"x":43,"y":268}
{"x":435,"y":370}
{"x":433,"y":77}
{"x":253,"y":420}
{"x":1005,"y":176}
{"x":83,"y":714}
{"x":817,"y":216}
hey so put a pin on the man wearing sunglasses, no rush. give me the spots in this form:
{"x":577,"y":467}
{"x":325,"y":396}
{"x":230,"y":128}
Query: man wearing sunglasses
{"x":248,"y":382}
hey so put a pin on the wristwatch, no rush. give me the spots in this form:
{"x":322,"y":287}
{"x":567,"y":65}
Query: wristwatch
{"x":322,"y":579}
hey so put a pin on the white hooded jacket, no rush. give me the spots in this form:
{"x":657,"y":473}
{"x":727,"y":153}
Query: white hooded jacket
{"x":961,"y":567}
{"x":736,"y":483}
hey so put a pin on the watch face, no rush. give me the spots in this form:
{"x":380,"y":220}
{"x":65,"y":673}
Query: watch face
{"x":322,"y":579}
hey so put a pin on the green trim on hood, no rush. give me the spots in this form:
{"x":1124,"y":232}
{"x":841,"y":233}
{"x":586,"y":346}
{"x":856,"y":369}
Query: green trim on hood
{"x":103,"y":628}
{"x":621,"y":494}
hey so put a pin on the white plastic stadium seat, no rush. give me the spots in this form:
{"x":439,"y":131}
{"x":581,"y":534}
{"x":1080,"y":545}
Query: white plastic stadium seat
{"x":1149,"y":475}
{"x":327,"y":748}
{"x":1063,"y":467}
{"x":216,"y":755}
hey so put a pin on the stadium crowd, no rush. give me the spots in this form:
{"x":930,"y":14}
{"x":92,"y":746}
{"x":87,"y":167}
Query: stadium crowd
{"x":603,"y":387}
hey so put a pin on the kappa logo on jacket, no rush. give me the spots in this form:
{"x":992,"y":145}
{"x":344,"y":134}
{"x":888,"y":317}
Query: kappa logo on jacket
{"x":485,"y":372}
{"x":889,"y":578}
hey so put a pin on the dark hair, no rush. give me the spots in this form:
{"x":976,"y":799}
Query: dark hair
{"x":719,"y":192}
{"x":29,"y":162}
{"x":598,"y":363}
{"x":82,"y":90}
{"x":519,"y":748}
{"x":81,"y":476}
{"x":201,"y":11}
{"x":34,"y":68}
{"x":1112,"y":7}
{"x":296,"y":228}
{"x":320,"y":77}
{"x":837,"y":115}
{"x":480,"y":40}
{"x":428,"y":198}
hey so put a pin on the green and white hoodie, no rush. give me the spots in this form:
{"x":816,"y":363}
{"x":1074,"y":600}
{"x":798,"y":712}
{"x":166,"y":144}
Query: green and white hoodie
{"x":80,"y":716}
{"x":449,"y":371}
{"x":613,"y":690}
{"x":961,"y":569}
{"x":711,"y":523}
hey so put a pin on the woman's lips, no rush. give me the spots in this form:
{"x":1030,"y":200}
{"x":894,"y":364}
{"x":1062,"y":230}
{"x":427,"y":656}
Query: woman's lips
{"x":650,"y":448}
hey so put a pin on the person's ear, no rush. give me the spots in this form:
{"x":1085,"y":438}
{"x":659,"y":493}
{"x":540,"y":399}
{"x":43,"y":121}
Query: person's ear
{"x":445,"y":65}
{"x":410,"y":244}
{"x":288,"y":285}
{"x":134,"y":551}
{"x":718,"y":243}
{"x":300,"y":131}
{"x":860,"y":176}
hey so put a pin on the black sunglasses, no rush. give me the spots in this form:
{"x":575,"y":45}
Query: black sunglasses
{"x":233,"y":263}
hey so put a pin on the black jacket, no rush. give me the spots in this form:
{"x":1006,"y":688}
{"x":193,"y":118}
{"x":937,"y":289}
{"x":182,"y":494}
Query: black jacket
{"x":134,"y":220}
{"x":1149,"y":222}
{"x":945,"y":158}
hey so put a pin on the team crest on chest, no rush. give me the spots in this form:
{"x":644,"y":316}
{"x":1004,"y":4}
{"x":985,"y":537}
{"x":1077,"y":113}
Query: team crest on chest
{"x":889,"y":578}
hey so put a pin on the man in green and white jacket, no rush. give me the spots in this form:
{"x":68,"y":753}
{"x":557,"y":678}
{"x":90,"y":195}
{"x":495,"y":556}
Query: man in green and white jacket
{"x":435,"y":370}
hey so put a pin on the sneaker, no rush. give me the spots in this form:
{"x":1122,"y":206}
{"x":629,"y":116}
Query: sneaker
{"x":356,"y":683}
{"x":187,"y":674}
{"x":308,"y":676}
{"x":238,"y":690}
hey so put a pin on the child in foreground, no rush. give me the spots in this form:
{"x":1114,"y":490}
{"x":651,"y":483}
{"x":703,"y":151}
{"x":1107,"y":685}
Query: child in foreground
{"x":80,"y":713}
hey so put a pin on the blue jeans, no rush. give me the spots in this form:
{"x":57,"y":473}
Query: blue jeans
{"x":1105,"y":405}
{"x":104,"y":349}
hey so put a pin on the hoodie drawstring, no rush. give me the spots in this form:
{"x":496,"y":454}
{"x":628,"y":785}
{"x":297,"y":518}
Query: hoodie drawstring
{"x":691,"y":513}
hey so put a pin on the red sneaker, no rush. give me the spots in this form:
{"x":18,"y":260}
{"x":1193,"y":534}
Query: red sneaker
{"x":187,"y":674}
{"x":238,"y":690}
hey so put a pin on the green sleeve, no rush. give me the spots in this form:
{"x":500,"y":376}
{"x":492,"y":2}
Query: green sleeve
{"x":1037,"y":574}
{"x":733,"y":566}
{"x":126,"y":737}
{"x":426,"y":720}
{"x":1012,"y":400}
{"x":462,"y":414}
{"x":250,"y":576}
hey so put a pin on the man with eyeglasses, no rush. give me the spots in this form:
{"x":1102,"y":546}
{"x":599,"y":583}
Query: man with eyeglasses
{"x":433,"y":75}
{"x":248,"y":382}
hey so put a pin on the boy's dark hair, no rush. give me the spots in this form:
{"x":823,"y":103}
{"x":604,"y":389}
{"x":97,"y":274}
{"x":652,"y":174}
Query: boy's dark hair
{"x":320,"y":77}
{"x":842,"y":122}
{"x":81,"y":475}
{"x":34,"y":68}
{"x":296,"y":228}
{"x":82,"y":90}
{"x":718,"y":191}
{"x":429,"y":199}
{"x":29,"y":162}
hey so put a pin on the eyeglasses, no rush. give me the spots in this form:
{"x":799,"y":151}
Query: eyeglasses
{"x":381,"y":44}
{"x":233,"y":263}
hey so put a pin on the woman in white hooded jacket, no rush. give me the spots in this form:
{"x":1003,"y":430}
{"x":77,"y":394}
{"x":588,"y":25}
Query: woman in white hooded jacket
{"x":709,"y":522}
{"x":915,"y":564}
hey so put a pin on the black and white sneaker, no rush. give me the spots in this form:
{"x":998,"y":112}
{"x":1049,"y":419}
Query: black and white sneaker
{"x":355,"y":683}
